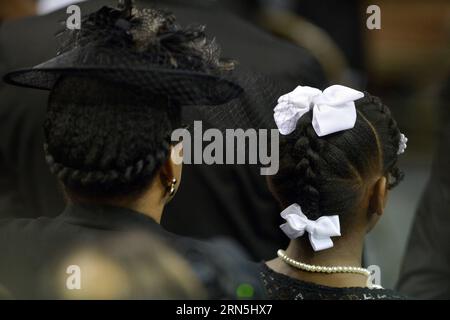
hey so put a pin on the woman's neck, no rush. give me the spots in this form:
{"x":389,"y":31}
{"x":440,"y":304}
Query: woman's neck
{"x":345,"y":252}
{"x":151,"y":209}
{"x":150,"y":203}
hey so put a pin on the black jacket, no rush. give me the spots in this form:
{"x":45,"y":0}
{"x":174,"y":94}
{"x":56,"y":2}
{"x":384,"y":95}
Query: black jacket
{"x":29,"y":248}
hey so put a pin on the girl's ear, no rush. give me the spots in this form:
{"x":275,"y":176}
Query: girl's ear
{"x":377,"y":201}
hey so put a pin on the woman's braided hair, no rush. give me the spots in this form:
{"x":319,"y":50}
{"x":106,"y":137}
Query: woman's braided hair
{"x":324,"y":175}
{"x":103,"y":139}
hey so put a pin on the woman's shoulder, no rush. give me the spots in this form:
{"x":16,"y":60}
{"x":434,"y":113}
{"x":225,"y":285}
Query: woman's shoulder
{"x":282,"y":287}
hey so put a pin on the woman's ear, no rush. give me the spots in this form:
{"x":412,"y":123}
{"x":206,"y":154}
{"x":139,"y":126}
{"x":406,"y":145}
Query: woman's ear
{"x":170,"y":172}
{"x":377,"y":201}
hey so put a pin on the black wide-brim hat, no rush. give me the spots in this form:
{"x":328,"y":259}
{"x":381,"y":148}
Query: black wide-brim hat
{"x":185,"y":81}
{"x":185,"y":87}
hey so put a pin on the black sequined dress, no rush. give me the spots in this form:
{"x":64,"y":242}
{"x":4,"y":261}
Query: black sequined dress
{"x":281,"y":287}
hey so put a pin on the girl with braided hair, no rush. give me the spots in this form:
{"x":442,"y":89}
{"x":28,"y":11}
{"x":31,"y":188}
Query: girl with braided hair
{"x":338,"y":158}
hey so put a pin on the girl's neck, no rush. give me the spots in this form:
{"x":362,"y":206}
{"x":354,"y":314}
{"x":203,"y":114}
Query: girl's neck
{"x":345,"y":252}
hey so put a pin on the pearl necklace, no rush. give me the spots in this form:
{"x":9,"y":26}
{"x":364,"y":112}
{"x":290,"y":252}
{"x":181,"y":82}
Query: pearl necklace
{"x":323,"y":269}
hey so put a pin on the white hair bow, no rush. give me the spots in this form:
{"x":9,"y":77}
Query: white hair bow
{"x":320,"y":231}
{"x":402,"y":144}
{"x":333,"y":109}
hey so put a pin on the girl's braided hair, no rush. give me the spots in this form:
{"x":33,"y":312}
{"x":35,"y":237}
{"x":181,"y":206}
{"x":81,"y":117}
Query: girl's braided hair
{"x":325,"y":175}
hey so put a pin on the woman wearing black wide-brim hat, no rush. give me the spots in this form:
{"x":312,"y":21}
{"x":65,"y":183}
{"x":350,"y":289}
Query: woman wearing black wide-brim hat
{"x":117,"y":88}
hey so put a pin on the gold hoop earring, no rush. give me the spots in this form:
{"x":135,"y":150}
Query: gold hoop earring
{"x":172,"y":188}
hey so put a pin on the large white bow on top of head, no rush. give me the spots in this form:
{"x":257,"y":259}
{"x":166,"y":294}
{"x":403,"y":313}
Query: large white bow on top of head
{"x":333,"y":109}
{"x":320,"y":231}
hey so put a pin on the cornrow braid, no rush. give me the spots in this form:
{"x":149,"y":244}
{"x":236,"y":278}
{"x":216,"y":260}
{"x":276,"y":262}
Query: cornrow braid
{"x":391,"y":135}
{"x":308,"y":147}
{"x":112,"y":180}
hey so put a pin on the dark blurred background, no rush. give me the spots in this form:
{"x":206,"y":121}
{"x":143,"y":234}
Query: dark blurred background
{"x":406,"y":63}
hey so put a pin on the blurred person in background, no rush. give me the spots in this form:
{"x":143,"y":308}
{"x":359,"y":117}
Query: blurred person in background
{"x":4,"y":293}
{"x":108,"y":142}
{"x":27,"y":189}
{"x":129,"y":266}
{"x":14,"y":9}
{"x":331,"y":30}
{"x":425,"y":272}
{"x":344,"y":22}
